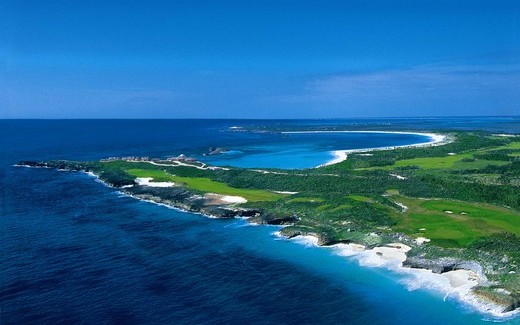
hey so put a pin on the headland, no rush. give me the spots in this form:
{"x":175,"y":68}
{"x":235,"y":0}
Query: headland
{"x":446,"y":210}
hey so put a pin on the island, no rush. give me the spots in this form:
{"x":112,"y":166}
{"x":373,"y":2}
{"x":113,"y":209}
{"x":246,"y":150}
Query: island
{"x":452,"y":208}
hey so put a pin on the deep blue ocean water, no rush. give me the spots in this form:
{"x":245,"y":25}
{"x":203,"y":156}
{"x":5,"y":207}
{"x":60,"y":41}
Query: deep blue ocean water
{"x":76,"y":251}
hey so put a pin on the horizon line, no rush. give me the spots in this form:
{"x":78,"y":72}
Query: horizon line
{"x":262,"y":119}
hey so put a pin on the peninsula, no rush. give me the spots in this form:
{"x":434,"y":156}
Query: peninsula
{"x":452,"y":209}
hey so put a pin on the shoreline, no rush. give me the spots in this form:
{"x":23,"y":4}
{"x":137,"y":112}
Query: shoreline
{"x":455,"y":284}
{"x":436,"y":139}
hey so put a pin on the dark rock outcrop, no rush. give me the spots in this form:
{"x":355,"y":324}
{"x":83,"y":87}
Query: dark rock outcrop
{"x":273,"y":220}
{"x":215,"y":151}
{"x":443,"y":264}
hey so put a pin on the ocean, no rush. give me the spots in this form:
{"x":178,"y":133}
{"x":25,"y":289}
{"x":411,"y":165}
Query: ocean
{"x":74,"y":251}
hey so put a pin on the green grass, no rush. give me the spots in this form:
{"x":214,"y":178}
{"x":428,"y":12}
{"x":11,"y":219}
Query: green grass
{"x":447,"y":162}
{"x":513,"y":145}
{"x":431,"y":162}
{"x":157,"y":175}
{"x":360,"y":198}
{"x":477,"y":164}
{"x":455,"y":162}
{"x":324,"y":207}
{"x":466,"y":222}
{"x":207,"y":185}
{"x":306,"y":200}
{"x":342,"y":207}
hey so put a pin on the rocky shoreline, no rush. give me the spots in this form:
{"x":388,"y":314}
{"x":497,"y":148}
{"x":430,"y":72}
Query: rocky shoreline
{"x":181,"y":198}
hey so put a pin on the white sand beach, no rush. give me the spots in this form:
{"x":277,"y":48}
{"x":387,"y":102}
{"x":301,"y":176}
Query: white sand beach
{"x":341,"y":155}
{"x":455,"y":284}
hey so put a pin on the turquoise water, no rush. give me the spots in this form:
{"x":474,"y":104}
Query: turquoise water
{"x":305,"y":150}
{"x":76,"y":251}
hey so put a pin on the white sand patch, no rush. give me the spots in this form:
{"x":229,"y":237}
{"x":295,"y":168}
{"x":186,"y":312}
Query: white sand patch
{"x":176,"y":163}
{"x":391,"y":254}
{"x":398,"y":176}
{"x":394,"y":251}
{"x":234,"y":199}
{"x":285,"y":192}
{"x":268,"y":172}
{"x":339,"y":156}
{"x":357,"y":247}
{"x":147,"y":181}
{"x":505,"y":135}
{"x":460,"y":278}
{"x":448,"y":212}
{"x":422,"y":240}
{"x":307,"y":240}
{"x":402,"y":206}
{"x":348,"y":249}
{"x":224,"y":199}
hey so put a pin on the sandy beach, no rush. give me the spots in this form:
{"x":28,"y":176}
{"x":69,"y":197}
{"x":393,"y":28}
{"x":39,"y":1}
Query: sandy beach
{"x":455,"y":284}
{"x":341,"y":155}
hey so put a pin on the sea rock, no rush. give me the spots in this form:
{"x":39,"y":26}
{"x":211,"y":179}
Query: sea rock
{"x":220,"y":212}
{"x":248,"y":213}
{"x":443,"y":264}
{"x":274,"y":220}
{"x":215,"y":151}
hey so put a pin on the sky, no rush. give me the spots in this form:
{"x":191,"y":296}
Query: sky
{"x":259,"y":59}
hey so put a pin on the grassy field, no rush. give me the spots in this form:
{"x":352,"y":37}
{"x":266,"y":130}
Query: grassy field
{"x":512,"y":145}
{"x":360,"y":198}
{"x":306,"y":200}
{"x":452,"y":223}
{"x":456,"y":161}
{"x":157,"y":175}
{"x":207,"y":185}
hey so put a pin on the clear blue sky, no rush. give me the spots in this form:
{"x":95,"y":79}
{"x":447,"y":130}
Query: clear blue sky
{"x":258,"y":59}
